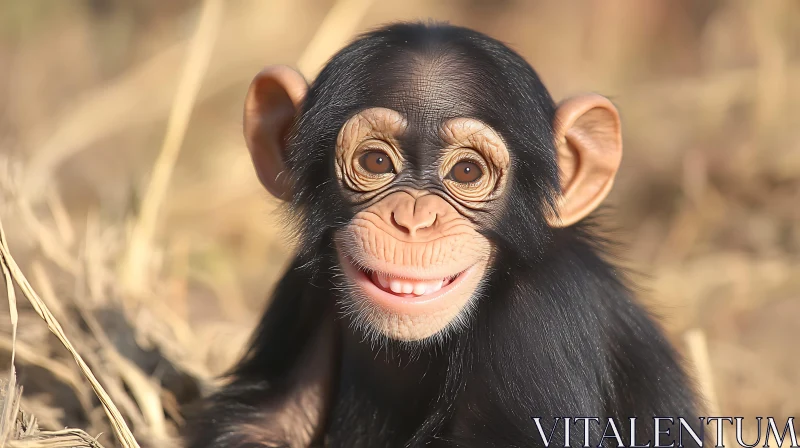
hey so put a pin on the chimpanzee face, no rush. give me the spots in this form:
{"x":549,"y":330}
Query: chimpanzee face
{"x":424,"y":157}
{"x":412,"y":255}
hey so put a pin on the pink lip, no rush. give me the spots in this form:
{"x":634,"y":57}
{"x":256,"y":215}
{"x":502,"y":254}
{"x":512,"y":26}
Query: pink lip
{"x":402,"y":303}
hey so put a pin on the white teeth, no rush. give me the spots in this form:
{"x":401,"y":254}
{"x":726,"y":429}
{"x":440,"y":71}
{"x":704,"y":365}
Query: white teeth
{"x":401,"y":286}
{"x":396,"y":286}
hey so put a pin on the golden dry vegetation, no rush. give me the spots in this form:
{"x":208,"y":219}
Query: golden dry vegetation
{"x":128,"y":201}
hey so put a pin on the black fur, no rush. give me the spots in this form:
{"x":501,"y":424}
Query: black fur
{"x":556,"y":333}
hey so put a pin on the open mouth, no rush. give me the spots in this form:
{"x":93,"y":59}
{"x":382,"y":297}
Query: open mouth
{"x":391,"y":291}
{"x":405,"y":287}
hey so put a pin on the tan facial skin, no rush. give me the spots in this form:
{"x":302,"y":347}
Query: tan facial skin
{"x":416,"y":237}
{"x":409,"y":233}
{"x":412,"y":238}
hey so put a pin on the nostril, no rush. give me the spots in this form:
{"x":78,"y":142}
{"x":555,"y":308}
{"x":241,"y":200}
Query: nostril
{"x":411,"y":224}
{"x":398,"y":225}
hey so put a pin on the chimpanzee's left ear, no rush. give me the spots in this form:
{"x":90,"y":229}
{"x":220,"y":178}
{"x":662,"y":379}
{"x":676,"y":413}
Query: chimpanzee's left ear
{"x":271,"y":106}
{"x":589,"y":149}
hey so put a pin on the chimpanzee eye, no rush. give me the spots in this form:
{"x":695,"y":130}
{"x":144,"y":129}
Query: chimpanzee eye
{"x":376,"y":162}
{"x":465,"y":172}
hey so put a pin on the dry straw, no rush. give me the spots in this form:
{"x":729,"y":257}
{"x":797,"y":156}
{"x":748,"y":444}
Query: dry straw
{"x":698,"y":351}
{"x":137,"y":262}
{"x":13,"y":275}
{"x":134,"y":267}
{"x":8,"y":411}
{"x":339,"y":24}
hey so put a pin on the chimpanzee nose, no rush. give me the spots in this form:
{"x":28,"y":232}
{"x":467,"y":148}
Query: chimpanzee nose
{"x":412,"y":214}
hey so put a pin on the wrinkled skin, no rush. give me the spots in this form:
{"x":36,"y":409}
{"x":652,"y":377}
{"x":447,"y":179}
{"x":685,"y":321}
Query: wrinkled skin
{"x":412,"y":260}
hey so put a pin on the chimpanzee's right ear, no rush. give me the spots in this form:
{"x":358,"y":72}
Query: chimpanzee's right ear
{"x":272,"y":104}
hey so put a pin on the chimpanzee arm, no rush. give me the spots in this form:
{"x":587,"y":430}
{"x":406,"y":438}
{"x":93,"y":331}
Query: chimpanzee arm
{"x":279,"y":391}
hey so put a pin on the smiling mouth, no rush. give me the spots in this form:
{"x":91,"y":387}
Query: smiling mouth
{"x":401,"y":293}
{"x":408,"y":288}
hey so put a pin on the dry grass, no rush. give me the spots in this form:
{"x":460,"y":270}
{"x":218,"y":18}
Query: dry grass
{"x":129,"y":202}
{"x":12,"y":275}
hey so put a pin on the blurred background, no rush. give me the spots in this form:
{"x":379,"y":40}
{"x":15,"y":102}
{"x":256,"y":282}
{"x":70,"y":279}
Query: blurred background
{"x":129,"y":202}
